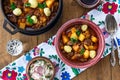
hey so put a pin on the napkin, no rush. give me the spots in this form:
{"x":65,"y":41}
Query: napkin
{"x":16,"y":69}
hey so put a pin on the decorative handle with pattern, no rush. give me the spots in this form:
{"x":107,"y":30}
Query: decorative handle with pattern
{"x":112,"y":57}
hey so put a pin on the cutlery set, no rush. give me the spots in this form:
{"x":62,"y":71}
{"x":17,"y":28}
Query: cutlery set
{"x":111,"y":27}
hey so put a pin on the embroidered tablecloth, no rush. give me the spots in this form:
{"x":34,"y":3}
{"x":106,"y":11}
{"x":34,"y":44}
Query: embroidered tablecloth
{"x":16,"y":69}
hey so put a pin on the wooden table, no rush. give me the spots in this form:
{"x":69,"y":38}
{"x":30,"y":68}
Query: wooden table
{"x":101,"y":71}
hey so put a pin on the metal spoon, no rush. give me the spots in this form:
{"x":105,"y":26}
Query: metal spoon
{"x":111,"y":28}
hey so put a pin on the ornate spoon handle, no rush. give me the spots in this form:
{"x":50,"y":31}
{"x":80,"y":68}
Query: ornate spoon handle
{"x":112,"y":57}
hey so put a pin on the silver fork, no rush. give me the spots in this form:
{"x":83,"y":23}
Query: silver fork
{"x":111,"y":28}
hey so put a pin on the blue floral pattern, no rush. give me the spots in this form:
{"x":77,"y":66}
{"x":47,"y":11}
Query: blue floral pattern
{"x":28,"y":57}
{"x":21,"y":69}
{"x":65,"y":76}
{"x":118,"y":1}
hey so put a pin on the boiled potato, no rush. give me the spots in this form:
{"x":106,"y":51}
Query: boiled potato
{"x":34,"y":3}
{"x":49,"y":3}
{"x":65,"y":39}
{"x":34,"y":18}
{"x":92,"y":53}
{"x":47,"y":11}
{"x":94,"y":39}
{"x":67,"y":49}
{"x":86,"y":54}
{"x":74,"y":35}
{"x":84,"y":27}
{"x":81,"y":37}
{"x":17,"y":11}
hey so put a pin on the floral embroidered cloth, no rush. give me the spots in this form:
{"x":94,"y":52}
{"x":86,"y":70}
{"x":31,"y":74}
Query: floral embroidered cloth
{"x":16,"y":69}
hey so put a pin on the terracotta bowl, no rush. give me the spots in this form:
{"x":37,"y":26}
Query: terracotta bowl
{"x":35,"y":59}
{"x":101,"y":43}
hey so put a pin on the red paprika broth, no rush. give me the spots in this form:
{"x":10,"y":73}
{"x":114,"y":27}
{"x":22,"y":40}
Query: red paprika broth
{"x":79,"y":43}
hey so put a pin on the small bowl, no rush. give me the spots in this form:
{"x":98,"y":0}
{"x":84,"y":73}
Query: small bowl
{"x":89,"y":5}
{"x":39,"y":58}
{"x":14,"y":47}
{"x":101,"y":43}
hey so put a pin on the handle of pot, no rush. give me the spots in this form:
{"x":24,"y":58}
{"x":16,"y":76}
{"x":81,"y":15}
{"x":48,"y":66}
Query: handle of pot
{"x":7,"y":29}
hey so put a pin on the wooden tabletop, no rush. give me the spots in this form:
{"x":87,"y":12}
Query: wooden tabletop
{"x":101,"y":71}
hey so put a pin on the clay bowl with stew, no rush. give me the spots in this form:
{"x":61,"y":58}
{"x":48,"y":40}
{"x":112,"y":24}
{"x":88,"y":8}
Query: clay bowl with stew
{"x":79,"y":43}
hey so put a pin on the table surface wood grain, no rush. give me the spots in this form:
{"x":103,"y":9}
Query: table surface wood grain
{"x":101,"y":71}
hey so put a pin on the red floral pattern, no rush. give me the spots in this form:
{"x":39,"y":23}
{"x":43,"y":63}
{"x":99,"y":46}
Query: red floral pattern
{"x":25,"y":77}
{"x":36,"y":51}
{"x":106,"y":35}
{"x":109,"y":7}
{"x":53,"y":43}
{"x":56,"y":67}
{"x":9,"y":75}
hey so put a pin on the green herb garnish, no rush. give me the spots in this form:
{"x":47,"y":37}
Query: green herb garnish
{"x":42,"y":5}
{"x":73,"y":40}
{"x":29,"y":20}
{"x":31,"y":79}
{"x":12,"y":6}
{"x":27,"y":4}
{"x":78,"y":32}
{"x":48,"y":76}
{"x":82,"y":51}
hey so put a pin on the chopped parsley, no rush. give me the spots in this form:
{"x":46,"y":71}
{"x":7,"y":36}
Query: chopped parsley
{"x":27,"y":4}
{"x":49,"y":76}
{"x":13,"y":6}
{"x":42,"y":6}
{"x":29,"y":20}
{"x":31,"y":79}
{"x":73,"y":40}
{"x":78,"y":32}
{"x":82,"y":51}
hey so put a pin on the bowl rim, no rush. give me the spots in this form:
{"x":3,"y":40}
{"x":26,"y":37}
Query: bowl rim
{"x":101,"y":43}
{"x":40,"y":58}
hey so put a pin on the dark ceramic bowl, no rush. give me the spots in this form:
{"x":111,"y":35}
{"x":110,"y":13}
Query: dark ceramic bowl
{"x":39,"y":58}
{"x":89,"y":3}
{"x":101,"y":43}
{"x":31,"y":32}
